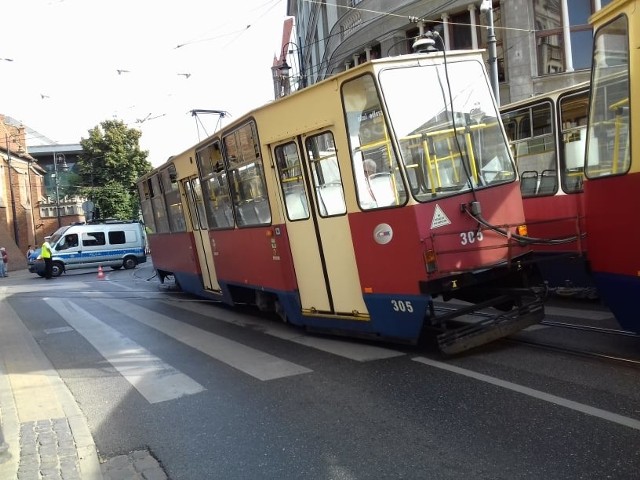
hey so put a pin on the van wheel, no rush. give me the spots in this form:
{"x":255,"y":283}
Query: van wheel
{"x":130,"y":263}
{"x":57,"y":269}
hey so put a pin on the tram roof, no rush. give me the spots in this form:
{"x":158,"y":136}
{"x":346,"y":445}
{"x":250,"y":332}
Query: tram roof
{"x":550,"y":94}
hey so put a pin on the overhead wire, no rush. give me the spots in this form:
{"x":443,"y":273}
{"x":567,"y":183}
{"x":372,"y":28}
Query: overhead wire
{"x":311,"y":69}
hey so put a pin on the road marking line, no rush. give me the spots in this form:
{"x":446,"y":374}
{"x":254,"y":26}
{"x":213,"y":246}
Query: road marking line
{"x":547,"y":397}
{"x":256,"y":363}
{"x":156,"y":380}
{"x":51,"y":331}
{"x":352,"y":350}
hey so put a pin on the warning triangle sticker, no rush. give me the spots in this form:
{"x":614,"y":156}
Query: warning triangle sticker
{"x":439,"y":218}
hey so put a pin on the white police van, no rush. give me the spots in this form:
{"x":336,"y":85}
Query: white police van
{"x":107,"y":243}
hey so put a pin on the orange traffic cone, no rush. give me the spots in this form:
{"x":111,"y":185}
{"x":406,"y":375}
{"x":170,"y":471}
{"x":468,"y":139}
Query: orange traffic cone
{"x":100,"y":273}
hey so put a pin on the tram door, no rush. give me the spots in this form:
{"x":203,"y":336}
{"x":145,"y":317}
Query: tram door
{"x":318,"y":226}
{"x":195,"y":204}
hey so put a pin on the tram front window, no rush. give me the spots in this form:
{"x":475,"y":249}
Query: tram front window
{"x":449,"y":140}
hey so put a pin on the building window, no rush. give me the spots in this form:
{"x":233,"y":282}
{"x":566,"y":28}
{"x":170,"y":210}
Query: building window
{"x":551,"y":39}
{"x":459,"y":27}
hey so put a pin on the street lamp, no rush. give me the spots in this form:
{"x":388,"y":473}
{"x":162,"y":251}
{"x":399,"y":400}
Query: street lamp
{"x":285,"y":68}
{"x":64,"y":167}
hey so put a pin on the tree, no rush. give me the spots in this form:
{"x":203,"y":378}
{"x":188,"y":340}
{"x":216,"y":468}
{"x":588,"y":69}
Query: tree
{"x":108,"y":167}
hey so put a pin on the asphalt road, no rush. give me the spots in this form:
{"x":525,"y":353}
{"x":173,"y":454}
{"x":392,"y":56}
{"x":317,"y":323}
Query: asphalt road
{"x":217,"y":393}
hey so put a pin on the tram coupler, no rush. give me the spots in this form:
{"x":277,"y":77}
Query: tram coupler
{"x":459,"y":336}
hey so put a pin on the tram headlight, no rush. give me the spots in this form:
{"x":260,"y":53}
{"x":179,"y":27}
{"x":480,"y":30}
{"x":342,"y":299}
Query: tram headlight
{"x":430,"y":261}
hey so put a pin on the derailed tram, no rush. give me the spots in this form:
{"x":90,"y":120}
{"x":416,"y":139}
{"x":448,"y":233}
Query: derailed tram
{"x":349,"y":206}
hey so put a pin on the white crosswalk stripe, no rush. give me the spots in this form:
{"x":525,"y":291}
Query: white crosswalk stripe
{"x":156,"y":380}
{"x":352,"y":350}
{"x":256,"y":363}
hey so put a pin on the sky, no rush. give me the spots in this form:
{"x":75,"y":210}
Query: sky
{"x":149,"y":63}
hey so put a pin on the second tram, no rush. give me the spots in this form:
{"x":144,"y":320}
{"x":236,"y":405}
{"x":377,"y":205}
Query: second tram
{"x":349,"y":206}
{"x":612,"y":164}
{"x":547,"y":134}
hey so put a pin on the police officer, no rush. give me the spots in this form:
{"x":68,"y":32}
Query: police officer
{"x":45,"y":253}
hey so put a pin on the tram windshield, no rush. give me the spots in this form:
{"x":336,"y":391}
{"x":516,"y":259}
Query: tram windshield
{"x":447,"y":127}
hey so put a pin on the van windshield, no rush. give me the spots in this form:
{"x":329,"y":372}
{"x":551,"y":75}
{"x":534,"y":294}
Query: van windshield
{"x":57,"y":235}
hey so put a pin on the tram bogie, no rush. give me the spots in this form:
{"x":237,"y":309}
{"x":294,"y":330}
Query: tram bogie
{"x":349,"y":206}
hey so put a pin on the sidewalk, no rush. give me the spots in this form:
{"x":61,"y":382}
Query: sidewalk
{"x":46,"y":435}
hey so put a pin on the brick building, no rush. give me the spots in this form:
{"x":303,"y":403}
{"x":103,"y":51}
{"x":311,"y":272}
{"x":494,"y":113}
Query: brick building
{"x":21,"y":182}
{"x":28,"y":209}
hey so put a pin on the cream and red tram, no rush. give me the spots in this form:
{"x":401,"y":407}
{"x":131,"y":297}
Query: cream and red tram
{"x":612,"y":163}
{"x":349,"y":206}
{"x":547,"y":134}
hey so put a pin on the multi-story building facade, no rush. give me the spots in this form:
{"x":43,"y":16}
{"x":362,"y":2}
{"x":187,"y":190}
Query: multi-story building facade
{"x":56,"y":207}
{"x":33,"y":202}
{"x":541,"y":45}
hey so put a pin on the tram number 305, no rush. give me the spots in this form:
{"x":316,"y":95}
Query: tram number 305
{"x":401,"y":306}
{"x":467,"y":238}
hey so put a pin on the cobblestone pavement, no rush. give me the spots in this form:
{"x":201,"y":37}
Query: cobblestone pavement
{"x":47,"y":450}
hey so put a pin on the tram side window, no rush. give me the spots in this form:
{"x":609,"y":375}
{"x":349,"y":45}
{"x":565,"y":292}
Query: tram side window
{"x":172,"y":199}
{"x":531,"y":137}
{"x":325,"y":174}
{"x":159,"y":209}
{"x":147,"y":208}
{"x":291,"y":181}
{"x":143,"y":189}
{"x":608,"y":139}
{"x":215,"y":187}
{"x":573,"y":110}
{"x":375,"y":166}
{"x":176,"y":214}
{"x":168,"y":177}
{"x":246,"y":176}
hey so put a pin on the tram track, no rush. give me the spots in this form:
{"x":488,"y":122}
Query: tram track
{"x":143,"y":294}
{"x":585,"y":353}
{"x":565,"y":349}
{"x":574,"y":351}
{"x":589,"y":328}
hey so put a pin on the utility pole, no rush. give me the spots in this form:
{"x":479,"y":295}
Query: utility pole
{"x":487,"y":7}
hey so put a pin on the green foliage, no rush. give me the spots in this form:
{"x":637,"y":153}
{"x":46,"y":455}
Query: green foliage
{"x":108,"y":167}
